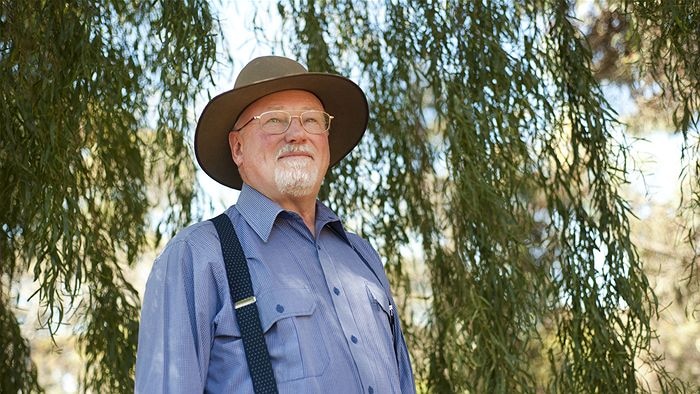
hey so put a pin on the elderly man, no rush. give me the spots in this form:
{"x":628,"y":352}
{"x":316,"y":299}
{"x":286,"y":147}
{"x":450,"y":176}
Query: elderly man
{"x":299,"y":305}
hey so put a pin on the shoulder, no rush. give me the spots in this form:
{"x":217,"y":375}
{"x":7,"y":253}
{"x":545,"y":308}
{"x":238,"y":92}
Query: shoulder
{"x":195,"y":234}
{"x":199,"y":236}
{"x":191,"y":260}
{"x":371,"y":256}
{"x":363,"y":246}
{"x":192,"y":249}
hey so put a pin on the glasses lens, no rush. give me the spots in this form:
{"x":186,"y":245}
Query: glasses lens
{"x":275,"y":122}
{"x":316,"y":122}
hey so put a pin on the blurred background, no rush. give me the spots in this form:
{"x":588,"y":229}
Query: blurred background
{"x":529,"y":175}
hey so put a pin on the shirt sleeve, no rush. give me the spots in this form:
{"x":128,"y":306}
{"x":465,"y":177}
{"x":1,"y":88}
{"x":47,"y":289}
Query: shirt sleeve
{"x":402,"y":355}
{"x":176,"y":326}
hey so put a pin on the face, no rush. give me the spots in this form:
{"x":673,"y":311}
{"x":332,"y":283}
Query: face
{"x":289,"y":165}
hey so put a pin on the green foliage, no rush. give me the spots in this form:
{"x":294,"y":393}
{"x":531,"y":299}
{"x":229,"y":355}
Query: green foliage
{"x":491,"y":143}
{"x":490,"y":165}
{"x":76,"y":162}
{"x":17,"y":371}
{"x":650,"y":48}
{"x":668,"y":34}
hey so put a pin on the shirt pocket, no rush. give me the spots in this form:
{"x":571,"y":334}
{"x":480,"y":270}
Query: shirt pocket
{"x":381,"y":307}
{"x":383,"y":337}
{"x":289,"y":320}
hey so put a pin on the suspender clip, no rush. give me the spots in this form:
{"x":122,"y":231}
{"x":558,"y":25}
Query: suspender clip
{"x":244,"y":302}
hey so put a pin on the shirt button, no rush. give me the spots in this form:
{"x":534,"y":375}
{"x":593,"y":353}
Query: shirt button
{"x":336,"y":291}
{"x":370,"y":390}
{"x":353,"y":339}
{"x":318,"y":247}
{"x":280,"y":308}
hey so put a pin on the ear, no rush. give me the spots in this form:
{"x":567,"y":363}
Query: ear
{"x":234,"y":142}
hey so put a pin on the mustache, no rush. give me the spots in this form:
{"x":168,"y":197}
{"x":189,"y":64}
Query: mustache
{"x":290,"y":148}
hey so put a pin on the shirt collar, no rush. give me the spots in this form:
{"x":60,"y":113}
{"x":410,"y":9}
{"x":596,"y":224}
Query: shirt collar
{"x":260,"y":213}
{"x":325,"y":216}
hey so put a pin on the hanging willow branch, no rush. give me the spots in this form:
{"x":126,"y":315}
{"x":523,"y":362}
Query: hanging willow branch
{"x":650,"y":48}
{"x":79,"y":154}
{"x":491,"y":165}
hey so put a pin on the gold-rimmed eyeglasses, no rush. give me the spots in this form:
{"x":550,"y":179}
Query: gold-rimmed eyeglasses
{"x":277,"y":122}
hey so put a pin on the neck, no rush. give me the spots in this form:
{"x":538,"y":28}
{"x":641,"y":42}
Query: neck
{"x":304,"y":206}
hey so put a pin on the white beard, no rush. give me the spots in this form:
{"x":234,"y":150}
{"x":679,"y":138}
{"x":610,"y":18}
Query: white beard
{"x":297,"y":176}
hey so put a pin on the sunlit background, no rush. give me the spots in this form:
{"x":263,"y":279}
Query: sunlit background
{"x":654,"y":193}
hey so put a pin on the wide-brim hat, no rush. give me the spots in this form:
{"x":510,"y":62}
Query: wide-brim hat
{"x":341,"y":98}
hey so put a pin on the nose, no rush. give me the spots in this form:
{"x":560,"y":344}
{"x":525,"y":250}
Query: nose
{"x":296,"y":131}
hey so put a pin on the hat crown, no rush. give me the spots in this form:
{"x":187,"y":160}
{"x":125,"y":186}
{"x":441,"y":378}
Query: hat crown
{"x":267,"y":67}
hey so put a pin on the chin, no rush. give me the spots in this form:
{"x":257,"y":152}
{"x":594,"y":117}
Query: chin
{"x":298,"y":192}
{"x":297,"y":182}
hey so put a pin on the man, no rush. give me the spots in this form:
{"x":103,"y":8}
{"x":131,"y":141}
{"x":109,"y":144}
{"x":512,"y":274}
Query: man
{"x":321,"y":294}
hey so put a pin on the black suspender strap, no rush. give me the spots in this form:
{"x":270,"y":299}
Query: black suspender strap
{"x":241,"y":290}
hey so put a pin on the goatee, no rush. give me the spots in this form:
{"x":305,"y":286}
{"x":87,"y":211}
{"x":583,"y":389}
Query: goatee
{"x":296,"y":176}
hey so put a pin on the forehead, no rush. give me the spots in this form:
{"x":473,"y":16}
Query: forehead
{"x":286,"y":99}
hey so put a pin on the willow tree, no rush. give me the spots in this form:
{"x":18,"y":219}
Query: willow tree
{"x":492,"y":147}
{"x":490,"y":176}
{"x":77,"y":159}
{"x":651,"y":49}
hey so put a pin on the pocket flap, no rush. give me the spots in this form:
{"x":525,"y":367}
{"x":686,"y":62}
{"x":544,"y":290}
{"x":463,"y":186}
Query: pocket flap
{"x":378,"y":296}
{"x":279,"y":304}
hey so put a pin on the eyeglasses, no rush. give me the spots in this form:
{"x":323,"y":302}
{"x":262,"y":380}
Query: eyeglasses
{"x":277,"y":122}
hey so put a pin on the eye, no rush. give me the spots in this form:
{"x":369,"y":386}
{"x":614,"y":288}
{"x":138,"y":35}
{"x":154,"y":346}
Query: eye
{"x":315,"y":118}
{"x":274,"y":119}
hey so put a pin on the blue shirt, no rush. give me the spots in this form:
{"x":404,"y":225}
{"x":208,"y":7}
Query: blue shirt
{"x":326,"y":316}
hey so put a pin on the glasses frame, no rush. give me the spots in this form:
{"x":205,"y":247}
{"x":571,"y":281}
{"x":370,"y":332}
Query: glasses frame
{"x":291,"y":117}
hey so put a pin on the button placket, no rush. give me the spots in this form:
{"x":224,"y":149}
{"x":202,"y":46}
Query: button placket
{"x":341,"y":303}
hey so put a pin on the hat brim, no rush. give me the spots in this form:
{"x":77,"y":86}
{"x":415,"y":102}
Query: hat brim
{"x":341,"y":98}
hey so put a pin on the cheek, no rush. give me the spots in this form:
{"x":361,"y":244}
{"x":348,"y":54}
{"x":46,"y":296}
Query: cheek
{"x":261,"y":153}
{"x":325,"y":150}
